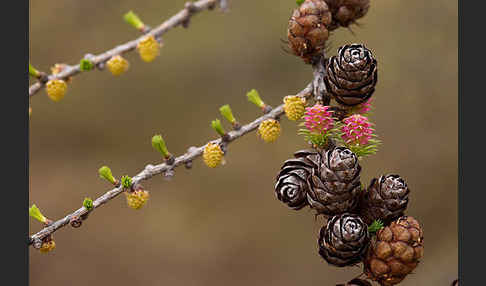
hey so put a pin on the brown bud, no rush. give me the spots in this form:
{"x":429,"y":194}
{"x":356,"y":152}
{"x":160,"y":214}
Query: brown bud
{"x":76,"y":221}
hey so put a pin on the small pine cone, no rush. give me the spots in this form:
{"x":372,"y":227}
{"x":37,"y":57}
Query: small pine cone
{"x":291,"y":187}
{"x":269,"y":130}
{"x":137,"y":198}
{"x":344,"y":240}
{"x":148,"y":48}
{"x":213,"y":155}
{"x":394,"y":252}
{"x":351,"y":75}
{"x":346,"y":12}
{"x":335,"y":187}
{"x":294,"y":107}
{"x":117,"y":65}
{"x":56,"y":89}
{"x":386,"y":199}
{"x":307,"y":32}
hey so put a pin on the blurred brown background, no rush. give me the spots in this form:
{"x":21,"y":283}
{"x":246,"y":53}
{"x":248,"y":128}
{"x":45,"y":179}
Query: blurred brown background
{"x":224,"y":226}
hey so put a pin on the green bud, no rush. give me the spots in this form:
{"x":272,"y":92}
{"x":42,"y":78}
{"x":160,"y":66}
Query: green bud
{"x":216,"y":125}
{"x":32,"y":71}
{"x":132,"y":19}
{"x":159,"y":144}
{"x":299,"y":2}
{"x":105,"y":173}
{"x":126,"y":182}
{"x":86,"y":65}
{"x":227,"y":113}
{"x":254,"y":97}
{"x":375,"y":226}
{"x":88,"y":203}
{"x":36,"y":213}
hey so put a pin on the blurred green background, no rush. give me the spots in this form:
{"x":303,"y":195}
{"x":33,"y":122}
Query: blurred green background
{"x":224,"y":226}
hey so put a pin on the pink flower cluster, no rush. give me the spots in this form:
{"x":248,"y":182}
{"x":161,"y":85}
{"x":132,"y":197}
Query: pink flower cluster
{"x":357,"y":130}
{"x":318,"y":119}
{"x":365,"y":107}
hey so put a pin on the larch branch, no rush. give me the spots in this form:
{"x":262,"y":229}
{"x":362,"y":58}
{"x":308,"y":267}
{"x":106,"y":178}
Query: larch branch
{"x":178,"y":19}
{"x":152,"y":170}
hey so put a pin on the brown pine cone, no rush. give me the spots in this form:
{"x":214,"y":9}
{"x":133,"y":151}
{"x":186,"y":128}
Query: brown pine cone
{"x":344,"y":240}
{"x":334,"y":188}
{"x":291,"y":187}
{"x":307,"y":32}
{"x":351,"y":75}
{"x":394,"y":252}
{"x":346,"y":12}
{"x":386,"y":199}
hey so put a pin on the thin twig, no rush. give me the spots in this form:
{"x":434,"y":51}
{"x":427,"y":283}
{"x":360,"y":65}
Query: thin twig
{"x":151,"y":170}
{"x":181,"y":17}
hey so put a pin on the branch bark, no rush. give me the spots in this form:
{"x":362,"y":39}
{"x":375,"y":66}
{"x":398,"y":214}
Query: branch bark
{"x":150,"y":170}
{"x":178,"y":19}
